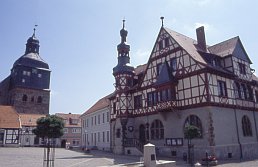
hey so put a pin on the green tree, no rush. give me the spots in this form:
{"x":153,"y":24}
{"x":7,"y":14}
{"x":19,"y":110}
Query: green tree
{"x":49,"y":128}
{"x":190,"y":133}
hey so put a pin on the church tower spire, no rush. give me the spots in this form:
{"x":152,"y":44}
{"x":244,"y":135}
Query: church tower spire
{"x":123,"y":49}
{"x":32,"y":45}
{"x":124,"y":75}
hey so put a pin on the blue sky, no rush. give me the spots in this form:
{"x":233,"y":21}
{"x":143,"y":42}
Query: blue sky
{"x":78,"y":38}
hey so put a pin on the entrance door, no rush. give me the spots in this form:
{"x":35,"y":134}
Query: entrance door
{"x":142,"y":137}
{"x":63,"y":143}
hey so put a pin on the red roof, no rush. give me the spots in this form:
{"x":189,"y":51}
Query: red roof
{"x":102,"y":103}
{"x":30,"y":119}
{"x":9,"y":118}
{"x":69,"y":118}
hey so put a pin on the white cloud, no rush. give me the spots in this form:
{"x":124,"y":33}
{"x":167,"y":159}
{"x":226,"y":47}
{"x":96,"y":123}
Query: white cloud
{"x":140,"y":56}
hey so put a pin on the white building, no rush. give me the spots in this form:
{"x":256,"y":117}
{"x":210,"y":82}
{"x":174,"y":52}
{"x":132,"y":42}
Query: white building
{"x":96,"y":126}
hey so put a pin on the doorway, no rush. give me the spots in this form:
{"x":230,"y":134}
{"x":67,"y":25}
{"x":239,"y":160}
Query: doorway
{"x":63,"y":143}
{"x":142,"y":136}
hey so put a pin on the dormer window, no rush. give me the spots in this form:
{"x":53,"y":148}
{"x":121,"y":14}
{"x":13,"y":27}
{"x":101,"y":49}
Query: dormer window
{"x":242,"y":68}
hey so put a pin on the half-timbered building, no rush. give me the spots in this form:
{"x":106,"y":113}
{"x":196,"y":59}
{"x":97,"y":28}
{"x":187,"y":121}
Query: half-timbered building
{"x":186,"y":82}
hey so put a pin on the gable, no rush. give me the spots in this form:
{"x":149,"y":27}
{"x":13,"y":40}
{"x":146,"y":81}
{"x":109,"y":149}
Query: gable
{"x":240,"y":52}
{"x":172,"y":45}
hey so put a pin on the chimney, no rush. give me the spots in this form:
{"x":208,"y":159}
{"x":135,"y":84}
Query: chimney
{"x":201,"y":38}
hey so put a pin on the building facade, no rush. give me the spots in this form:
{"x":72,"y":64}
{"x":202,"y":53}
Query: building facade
{"x":72,"y":131}
{"x":186,"y":82}
{"x":28,"y":123}
{"x":27,"y":87}
{"x":96,"y":126}
{"x":10,"y":126}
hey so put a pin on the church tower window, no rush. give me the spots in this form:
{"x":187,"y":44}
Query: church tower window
{"x":24,"y":98}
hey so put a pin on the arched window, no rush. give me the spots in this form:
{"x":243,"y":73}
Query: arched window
{"x":157,"y":130}
{"x":195,"y":121}
{"x":24,"y":98}
{"x":246,"y":126}
{"x":39,"y":99}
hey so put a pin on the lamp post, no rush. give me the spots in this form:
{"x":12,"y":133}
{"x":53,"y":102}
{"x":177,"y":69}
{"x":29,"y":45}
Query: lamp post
{"x":123,"y":121}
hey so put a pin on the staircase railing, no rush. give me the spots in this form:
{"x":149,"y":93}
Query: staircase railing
{"x":133,"y":142}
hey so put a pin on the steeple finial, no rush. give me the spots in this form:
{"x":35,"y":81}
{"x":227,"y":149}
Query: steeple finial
{"x":123,"y":23}
{"x":34,"y":29}
{"x":162,"y":18}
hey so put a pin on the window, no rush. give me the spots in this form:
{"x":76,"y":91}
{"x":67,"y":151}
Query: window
{"x":107,"y":136}
{"x":32,"y":99}
{"x":26,"y":73}
{"x":76,"y":130}
{"x":250,"y":93}
{"x":159,"y":66}
{"x":40,"y":75}
{"x":173,"y":65}
{"x":95,"y":120}
{"x":65,"y":130}
{"x":241,"y":68}
{"x":137,"y":101}
{"x":103,"y":134}
{"x":157,"y":130}
{"x":166,"y":95}
{"x":39,"y":99}
{"x":237,"y":90}
{"x":166,"y":42}
{"x":24,"y":98}
{"x":243,"y":91}
{"x":222,"y":89}
{"x":160,"y":44}
{"x":34,"y":71}
{"x":103,"y":118}
{"x":150,"y":99}
{"x":76,"y":142}
{"x":107,"y":116}
{"x":91,"y":121}
{"x":246,"y":126}
{"x":194,"y":121}
{"x":87,"y":122}
{"x":23,"y":80}
{"x":98,"y":136}
{"x":114,"y":108}
{"x":99,"y":119}
{"x":73,"y":121}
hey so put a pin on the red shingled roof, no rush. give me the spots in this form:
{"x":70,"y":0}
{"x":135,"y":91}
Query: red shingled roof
{"x":68,"y":117}
{"x":102,"y":103}
{"x":9,"y":118}
{"x":30,"y":119}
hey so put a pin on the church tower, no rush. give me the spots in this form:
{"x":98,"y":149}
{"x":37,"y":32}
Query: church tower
{"x":124,"y":74}
{"x":29,"y":81}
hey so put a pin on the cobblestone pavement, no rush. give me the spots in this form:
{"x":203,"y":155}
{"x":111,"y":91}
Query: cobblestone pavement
{"x":33,"y":157}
